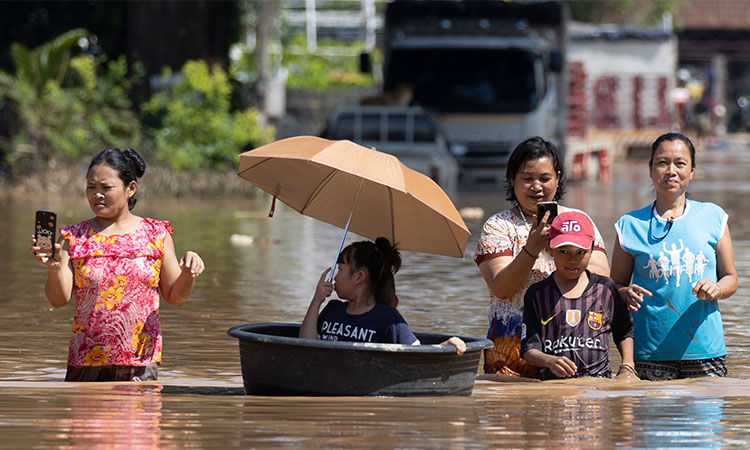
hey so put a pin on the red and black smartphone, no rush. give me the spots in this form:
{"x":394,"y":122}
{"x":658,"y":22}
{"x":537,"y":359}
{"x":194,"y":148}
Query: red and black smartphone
{"x":543,"y":207}
{"x":45,"y":230}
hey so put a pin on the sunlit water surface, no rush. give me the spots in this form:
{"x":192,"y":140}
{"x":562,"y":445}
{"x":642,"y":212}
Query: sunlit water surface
{"x":198,"y":400}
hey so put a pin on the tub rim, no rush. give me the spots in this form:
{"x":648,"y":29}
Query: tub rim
{"x":244,"y":333}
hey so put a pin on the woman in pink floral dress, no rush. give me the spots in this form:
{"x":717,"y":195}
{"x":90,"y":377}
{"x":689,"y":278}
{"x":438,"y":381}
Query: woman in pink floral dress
{"x":114,"y":265}
{"x":511,"y":252}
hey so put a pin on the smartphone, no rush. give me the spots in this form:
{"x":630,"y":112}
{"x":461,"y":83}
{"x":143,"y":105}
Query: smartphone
{"x":543,"y":207}
{"x":45,"y":230}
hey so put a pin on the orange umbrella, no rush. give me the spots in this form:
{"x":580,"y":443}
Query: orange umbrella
{"x":359,"y":189}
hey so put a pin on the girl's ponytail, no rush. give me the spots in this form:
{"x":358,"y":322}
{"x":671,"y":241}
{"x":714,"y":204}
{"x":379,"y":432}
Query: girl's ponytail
{"x":381,"y":260}
{"x":389,"y":262}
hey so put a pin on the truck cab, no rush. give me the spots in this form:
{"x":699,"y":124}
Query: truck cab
{"x":490,"y":71}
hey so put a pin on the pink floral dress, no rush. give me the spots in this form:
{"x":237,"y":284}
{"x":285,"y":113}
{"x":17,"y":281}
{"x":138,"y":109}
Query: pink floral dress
{"x":116,"y":282}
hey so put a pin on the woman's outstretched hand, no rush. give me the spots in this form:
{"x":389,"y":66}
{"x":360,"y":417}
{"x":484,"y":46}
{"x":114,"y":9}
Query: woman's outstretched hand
{"x":706,"y":289}
{"x":633,"y":296}
{"x":192,"y":263}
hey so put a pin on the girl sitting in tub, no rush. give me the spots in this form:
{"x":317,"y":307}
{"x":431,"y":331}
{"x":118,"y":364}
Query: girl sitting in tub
{"x":364,"y":277}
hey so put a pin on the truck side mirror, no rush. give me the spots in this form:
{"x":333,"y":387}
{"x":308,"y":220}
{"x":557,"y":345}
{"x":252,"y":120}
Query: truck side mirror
{"x":365,"y":64}
{"x":555,"y":61}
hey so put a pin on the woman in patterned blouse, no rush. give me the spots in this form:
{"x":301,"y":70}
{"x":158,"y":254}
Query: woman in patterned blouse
{"x":114,"y":265}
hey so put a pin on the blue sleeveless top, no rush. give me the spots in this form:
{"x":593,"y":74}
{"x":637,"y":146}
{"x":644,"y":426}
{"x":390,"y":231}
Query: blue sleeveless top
{"x":673,"y":324}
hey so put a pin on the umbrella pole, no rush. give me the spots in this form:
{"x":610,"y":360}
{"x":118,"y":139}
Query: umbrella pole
{"x":346,"y":230}
{"x":341,"y":246}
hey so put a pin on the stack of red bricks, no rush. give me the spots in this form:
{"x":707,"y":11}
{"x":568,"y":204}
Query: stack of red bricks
{"x":663,"y":119}
{"x":577,"y":119}
{"x":604,"y":112}
{"x":637,"y":90}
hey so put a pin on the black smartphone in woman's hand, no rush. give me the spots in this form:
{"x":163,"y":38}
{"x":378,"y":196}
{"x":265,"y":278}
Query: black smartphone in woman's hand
{"x":543,"y":207}
{"x":45,"y":230}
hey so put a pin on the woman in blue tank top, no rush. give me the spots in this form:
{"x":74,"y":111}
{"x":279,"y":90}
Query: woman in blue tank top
{"x":673,"y":261}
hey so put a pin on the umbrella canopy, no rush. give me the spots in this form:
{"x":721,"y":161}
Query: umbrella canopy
{"x":340,"y":182}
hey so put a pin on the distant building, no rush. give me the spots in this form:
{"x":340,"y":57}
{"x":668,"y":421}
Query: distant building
{"x":622,"y":76}
{"x":714,"y":45}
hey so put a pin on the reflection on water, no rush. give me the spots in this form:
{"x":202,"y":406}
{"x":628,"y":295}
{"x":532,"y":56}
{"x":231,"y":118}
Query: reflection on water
{"x":645,"y":415}
{"x":596,"y":414}
{"x":196,"y":402}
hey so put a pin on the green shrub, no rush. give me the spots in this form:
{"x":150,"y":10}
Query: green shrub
{"x":315,"y":71}
{"x":73,"y":106}
{"x":334,"y":66}
{"x":197,"y":128}
{"x":91,"y":114}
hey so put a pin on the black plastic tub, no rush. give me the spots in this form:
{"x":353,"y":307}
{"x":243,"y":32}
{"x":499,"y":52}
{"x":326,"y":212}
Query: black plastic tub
{"x":276,"y":362}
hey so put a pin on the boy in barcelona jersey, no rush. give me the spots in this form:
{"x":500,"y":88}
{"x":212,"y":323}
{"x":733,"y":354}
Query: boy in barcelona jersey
{"x":567,"y":317}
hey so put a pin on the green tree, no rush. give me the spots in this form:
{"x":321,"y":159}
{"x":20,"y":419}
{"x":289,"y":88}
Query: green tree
{"x":196,"y":127}
{"x":68,"y":105}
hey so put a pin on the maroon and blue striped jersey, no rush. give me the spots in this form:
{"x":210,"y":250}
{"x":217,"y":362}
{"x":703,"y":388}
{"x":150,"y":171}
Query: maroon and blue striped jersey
{"x":577,"y":328}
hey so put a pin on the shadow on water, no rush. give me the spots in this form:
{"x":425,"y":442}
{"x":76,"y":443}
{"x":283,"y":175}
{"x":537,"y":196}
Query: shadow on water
{"x":198,"y":400}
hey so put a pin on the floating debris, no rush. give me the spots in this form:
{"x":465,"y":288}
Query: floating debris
{"x":241,"y":240}
{"x":472,"y":212}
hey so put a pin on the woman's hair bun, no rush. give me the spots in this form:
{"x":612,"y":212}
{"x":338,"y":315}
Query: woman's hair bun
{"x":139,"y":165}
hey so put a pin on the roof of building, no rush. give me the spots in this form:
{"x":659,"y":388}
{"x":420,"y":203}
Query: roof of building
{"x":712,"y":14}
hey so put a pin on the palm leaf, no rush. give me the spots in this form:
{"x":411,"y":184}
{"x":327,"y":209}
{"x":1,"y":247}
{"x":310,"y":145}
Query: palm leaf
{"x":21,"y":56}
{"x":7,"y":85}
{"x":48,"y":61}
{"x":55,"y":54}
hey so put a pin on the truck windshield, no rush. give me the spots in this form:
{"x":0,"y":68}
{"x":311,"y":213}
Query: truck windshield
{"x":455,"y":80}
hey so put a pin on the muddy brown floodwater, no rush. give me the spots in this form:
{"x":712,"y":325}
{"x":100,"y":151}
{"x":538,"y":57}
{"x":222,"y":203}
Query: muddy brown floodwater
{"x":198,"y":399}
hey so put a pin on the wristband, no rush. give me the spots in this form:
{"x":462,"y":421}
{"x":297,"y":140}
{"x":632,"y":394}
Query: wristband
{"x":528,"y":252}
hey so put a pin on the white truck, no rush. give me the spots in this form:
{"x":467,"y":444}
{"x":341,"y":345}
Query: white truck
{"x":490,"y":71}
{"x":409,"y":133}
